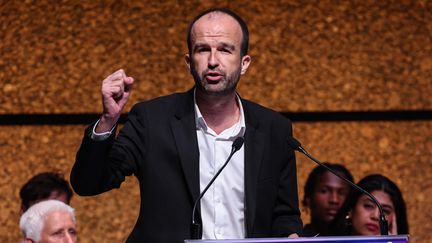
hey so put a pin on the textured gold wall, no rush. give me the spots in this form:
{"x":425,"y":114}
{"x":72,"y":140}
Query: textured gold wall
{"x":307,"y":56}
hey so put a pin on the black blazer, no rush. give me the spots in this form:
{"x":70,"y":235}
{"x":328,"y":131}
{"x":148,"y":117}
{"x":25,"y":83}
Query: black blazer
{"x":158,"y":144}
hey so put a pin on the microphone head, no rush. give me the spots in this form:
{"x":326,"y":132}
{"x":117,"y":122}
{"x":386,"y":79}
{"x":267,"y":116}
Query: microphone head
{"x":294,"y":143}
{"x":238,"y":143}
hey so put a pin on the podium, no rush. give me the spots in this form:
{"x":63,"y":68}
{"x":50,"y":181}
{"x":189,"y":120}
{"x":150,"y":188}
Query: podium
{"x":327,"y":239}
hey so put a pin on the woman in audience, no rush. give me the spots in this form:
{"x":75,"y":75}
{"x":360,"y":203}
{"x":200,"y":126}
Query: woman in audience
{"x":360,"y":215}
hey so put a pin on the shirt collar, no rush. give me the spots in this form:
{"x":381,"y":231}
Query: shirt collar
{"x":201,"y":123}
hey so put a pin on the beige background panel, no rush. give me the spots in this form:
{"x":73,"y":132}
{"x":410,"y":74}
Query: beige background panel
{"x":399,"y":150}
{"x":307,"y":55}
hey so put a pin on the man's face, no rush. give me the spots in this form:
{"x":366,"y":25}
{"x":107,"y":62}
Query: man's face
{"x":215,"y":60}
{"x":327,"y":197}
{"x":58,"y":228}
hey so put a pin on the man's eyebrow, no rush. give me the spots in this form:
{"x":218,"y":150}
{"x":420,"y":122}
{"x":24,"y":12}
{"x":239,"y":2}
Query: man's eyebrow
{"x":221,"y":45}
{"x":228,"y":45}
{"x":200,"y":45}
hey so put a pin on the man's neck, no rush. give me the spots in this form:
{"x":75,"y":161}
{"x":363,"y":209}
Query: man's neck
{"x":219,"y":112}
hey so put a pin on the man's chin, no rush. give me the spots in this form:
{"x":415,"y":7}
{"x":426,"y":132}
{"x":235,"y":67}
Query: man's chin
{"x":329,"y":219}
{"x":220,"y":92}
{"x":216,"y":90}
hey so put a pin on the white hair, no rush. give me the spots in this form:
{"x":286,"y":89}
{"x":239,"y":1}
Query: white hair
{"x":32,"y":221}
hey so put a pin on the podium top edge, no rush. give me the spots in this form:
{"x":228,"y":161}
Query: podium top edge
{"x":323,"y":239}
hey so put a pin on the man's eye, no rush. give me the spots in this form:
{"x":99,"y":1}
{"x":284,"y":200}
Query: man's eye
{"x":203,"y":50}
{"x":225,"y":50}
{"x":324,"y":190}
{"x":72,"y":231}
{"x":342,"y":193}
{"x":58,"y":233}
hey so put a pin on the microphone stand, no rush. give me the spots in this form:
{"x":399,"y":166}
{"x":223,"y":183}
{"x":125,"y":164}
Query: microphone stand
{"x":196,"y":228}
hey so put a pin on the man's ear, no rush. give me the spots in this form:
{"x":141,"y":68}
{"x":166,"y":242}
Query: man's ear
{"x":246,"y":60}
{"x":187,"y":60}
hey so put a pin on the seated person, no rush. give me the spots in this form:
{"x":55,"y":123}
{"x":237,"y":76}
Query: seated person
{"x":360,"y":215}
{"x":49,"y":221}
{"x":324,"y":195}
{"x":46,"y":185}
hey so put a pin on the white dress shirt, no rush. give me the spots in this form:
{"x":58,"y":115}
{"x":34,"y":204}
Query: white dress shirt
{"x":222,"y":207}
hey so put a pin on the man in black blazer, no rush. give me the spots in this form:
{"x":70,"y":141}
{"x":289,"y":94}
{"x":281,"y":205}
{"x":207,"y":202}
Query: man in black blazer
{"x":175,"y":144}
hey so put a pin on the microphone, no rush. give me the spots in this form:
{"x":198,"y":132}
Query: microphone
{"x":196,"y":228}
{"x":295,"y":144}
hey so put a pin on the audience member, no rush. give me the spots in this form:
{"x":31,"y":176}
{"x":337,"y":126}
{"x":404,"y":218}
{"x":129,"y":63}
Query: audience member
{"x":324,"y":195}
{"x":49,"y":221}
{"x":360,"y":216}
{"x":43,"y":186}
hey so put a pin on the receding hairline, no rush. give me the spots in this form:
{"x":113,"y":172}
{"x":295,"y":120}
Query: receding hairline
{"x":214,"y":15}
{"x":244,"y":46}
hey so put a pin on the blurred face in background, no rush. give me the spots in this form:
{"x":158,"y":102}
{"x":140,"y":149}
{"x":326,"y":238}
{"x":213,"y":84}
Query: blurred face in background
{"x":327,"y":198}
{"x":365,"y":214}
{"x":59,"y":227}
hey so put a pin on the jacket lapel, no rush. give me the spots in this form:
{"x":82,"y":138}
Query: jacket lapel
{"x":254,"y":146}
{"x":184,"y":130}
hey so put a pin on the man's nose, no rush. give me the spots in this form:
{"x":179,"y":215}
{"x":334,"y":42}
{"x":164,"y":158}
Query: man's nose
{"x":334,"y":198}
{"x":69,"y":238}
{"x":213,"y":61}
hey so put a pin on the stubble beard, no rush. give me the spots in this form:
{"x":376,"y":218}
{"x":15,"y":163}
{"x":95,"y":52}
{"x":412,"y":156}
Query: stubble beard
{"x":228,"y":82}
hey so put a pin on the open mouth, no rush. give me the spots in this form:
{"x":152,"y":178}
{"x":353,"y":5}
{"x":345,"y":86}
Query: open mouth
{"x":213,"y":76}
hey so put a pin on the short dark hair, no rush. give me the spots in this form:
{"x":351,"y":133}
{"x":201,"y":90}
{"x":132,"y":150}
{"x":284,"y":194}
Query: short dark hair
{"x":317,"y":172}
{"x":41,"y":186}
{"x":245,"y":40}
